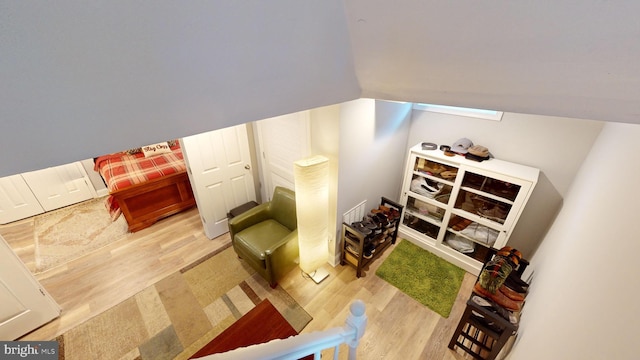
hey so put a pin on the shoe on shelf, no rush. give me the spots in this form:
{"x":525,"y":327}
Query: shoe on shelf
{"x":369,"y":223}
{"x":383,"y":219}
{"x":491,"y":306}
{"x":361,"y":228}
{"x":394,"y":215}
{"x":369,"y":250}
{"x":515,"y":296}
{"x":515,"y":278}
{"x":512,"y":282}
{"x":499,"y":298}
{"x":461,"y":225}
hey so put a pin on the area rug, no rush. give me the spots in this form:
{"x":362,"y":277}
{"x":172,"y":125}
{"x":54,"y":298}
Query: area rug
{"x":68,"y":233}
{"x":425,"y":277}
{"x":178,"y":315}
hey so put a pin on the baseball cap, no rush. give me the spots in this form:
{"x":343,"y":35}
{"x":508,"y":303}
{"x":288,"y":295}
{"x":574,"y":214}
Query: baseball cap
{"x":478,"y":150}
{"x":461,"y":146}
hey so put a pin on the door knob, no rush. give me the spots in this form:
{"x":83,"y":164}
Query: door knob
{"x":247,"y":167}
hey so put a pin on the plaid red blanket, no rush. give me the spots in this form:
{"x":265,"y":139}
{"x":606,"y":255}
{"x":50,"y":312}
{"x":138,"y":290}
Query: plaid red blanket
{"x":121,"y":170}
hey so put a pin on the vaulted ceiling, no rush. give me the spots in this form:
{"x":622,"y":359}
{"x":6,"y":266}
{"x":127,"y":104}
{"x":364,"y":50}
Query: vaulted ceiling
{"x":578,"y":58}
{"x":78,"y":79}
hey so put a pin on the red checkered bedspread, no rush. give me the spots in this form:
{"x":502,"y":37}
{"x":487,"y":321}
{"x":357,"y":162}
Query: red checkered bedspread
{"x":122,"y":170}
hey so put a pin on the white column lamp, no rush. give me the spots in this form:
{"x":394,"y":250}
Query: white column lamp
{"x":312,"y":207}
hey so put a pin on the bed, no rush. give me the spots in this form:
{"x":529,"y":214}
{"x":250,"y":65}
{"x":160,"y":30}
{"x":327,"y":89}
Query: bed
{"x":146,"y":186}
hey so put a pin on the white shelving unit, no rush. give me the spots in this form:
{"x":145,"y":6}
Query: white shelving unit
{"x":461,"y":209}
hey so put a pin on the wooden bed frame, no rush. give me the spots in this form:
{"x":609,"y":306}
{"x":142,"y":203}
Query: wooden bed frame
{"x":144,"y":204}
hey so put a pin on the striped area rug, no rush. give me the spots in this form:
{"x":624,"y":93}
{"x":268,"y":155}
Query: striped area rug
{"x":179,"y":314}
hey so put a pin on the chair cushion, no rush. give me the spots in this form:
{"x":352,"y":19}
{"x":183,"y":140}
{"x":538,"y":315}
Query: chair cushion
{"x":260,"y":237}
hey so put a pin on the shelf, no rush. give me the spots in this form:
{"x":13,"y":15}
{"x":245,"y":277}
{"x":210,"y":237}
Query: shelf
{"x":437,"y":221}
{"x":480,"y":252}
{"x":476,"y":219}
{"x":355,"y":243}
{"x":489,"y":195}
{"x":431,"y":190}
{"x":503,"y":190}
{"x":421,"y":226}
{"x":438,"y":201}
{"x":432,"y":177}
{"x":470,"y":238}
{"x":439,"y":170}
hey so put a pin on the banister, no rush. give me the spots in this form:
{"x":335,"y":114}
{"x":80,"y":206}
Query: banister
{"x":299,"y":346}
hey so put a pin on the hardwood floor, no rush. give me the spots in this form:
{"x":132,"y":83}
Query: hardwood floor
{"x":398,"y":326}
{"x":94,"y":283}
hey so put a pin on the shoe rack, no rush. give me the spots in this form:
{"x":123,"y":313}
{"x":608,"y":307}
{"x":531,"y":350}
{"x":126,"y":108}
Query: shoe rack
{"x":366,"y":240}
{"x":459,"y":209}
{"x":482,"y":332}
{"x":490,"y":318}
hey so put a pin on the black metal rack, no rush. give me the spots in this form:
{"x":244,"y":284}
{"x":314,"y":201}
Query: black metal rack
{"x":354,"y":255}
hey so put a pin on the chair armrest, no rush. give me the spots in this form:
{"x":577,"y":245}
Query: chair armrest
{"x":249,"y":218}
{"x":293,"y":236}
{"x":283,"y":256}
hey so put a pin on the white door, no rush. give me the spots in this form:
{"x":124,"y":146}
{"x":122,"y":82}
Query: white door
{"x":282,"y":141}
{"x":59,"y":186}
{"x":25,"y":304}
{"x":16,"y":200}
{"x":219,"y":164}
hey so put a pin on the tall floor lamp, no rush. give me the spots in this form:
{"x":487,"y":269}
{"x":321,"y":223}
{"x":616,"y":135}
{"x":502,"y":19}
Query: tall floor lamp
{"x":311,"y":177}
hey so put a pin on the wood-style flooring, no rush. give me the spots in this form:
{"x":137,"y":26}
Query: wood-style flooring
{"x":398,"y":326}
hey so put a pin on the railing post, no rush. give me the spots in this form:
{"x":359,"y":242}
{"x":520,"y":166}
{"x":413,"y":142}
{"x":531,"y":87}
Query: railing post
{"x":356,"y":320}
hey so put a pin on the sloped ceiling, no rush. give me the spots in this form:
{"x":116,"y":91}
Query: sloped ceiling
{"x":577,"y":58}
{"x":84,"y":78}
{"x":79,"y":79}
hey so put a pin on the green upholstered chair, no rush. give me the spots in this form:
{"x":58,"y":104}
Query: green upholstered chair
{"x":266,"y":236}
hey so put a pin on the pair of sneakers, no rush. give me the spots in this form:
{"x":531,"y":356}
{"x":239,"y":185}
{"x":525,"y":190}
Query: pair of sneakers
{"x":491,"y":306}
{"x":499,"y":297}
{"x":362,"y":227}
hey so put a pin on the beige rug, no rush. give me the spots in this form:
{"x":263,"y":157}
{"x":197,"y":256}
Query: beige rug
{"x":68,"y":233}
{"x":178,"y":315}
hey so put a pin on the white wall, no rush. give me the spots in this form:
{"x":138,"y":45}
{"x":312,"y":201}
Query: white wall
{"x":557,"y":146}
{"x":582,"y":303}
{"x":80,"y":79}
{"x":373,"y":135}
{"x":365,"y":142}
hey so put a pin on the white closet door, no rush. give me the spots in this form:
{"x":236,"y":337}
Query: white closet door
{"x":282,"y":141}
{"x":25,"y":304}
{"x":59,"y":186}
{"x":16,"y":200}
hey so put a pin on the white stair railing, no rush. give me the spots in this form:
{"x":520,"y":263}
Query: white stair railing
{"x":299,"y":346}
